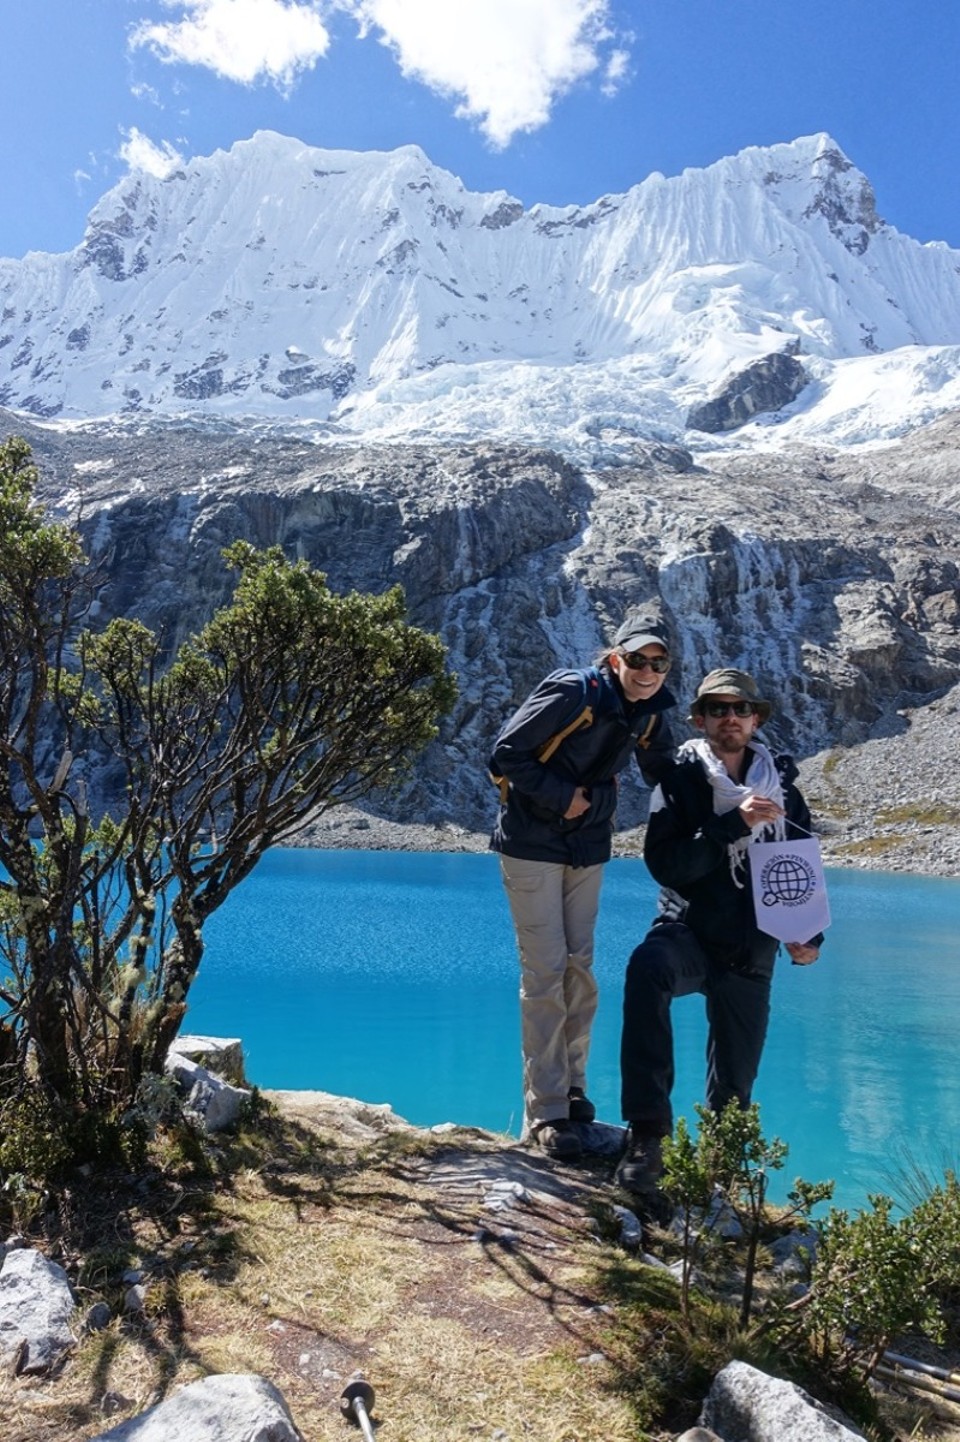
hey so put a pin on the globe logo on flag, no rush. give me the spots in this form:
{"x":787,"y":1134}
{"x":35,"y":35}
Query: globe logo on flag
{"x":789,"y":889}
{"x":787,"y":879}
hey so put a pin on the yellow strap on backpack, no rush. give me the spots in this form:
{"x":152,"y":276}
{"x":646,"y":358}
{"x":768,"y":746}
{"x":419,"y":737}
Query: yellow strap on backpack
{"x":644,"y":738}
{"x":585,"y":718}
{"x":547,"y":749}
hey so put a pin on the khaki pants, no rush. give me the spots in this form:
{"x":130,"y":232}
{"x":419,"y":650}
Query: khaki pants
{"x":554,"y":910}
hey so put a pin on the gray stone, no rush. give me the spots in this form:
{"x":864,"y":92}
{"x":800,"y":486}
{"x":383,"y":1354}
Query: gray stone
{"x":219,"y":1054}
{"x":36,"y":1305}
{"x":225,"y":1408}
{"x":631,"y":1230}
{"x":766,"y":385}
{"x":794,"y":1254}
{"x":214,"y":1102}
{"x":746,"y":1405}
{"x":601,"y":1139}
{"x":135,"y":1299}
{"x":97,"y":1318}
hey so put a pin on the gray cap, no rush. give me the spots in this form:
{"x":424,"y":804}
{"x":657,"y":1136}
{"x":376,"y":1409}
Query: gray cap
{"x":641,"y":630}
{"x":728,"y":681}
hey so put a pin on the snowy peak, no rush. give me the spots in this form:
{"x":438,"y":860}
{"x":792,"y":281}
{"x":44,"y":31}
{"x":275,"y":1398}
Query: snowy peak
{"x":814,"y":177}
{"x":364,"y":290}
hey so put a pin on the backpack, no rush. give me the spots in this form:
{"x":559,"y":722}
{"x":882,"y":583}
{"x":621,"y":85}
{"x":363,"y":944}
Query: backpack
{"x":582,"y":717}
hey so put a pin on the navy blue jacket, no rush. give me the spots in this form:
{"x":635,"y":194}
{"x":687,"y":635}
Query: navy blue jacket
{"x":531,"y":824}
{"x":686,"y":850}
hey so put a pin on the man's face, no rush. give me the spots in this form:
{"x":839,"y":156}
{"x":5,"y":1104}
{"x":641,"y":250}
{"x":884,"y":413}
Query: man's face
{"x":639,"y":683}
{"x":727,"y":733}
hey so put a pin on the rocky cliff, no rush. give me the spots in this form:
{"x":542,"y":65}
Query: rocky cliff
{"x":832,"y":575}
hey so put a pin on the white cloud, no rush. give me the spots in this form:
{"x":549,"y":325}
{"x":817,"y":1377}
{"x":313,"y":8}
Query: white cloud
{"x":140,"y":153}
{"x":243,"y":40}
{"x":616,"y":72}
{"x":506,"y":62}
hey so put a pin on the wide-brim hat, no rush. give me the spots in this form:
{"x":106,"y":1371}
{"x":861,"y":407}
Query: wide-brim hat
{"x":642,"y":629}
{"x":728,"y":681}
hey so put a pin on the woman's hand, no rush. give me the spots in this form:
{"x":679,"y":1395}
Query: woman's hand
{"x":579,"y":804}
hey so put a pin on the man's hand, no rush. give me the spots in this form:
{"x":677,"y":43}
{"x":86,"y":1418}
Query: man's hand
{"x":579,"y":804}
{"x":801,"y":954}
{"x":759,"y":811}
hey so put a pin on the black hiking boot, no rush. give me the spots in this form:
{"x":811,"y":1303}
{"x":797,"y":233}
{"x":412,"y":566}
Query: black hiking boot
{"x":582,"y":1108}
{"x":641,"y":1165}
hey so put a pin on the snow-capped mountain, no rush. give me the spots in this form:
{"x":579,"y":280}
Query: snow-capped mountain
{"x":373,"y":296}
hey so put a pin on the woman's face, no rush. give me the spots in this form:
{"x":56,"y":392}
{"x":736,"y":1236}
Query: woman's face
{"x":637,"y":678}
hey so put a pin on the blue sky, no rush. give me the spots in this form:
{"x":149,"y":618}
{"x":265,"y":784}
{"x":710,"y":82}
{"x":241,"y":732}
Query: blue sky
{"x":551,"y":100}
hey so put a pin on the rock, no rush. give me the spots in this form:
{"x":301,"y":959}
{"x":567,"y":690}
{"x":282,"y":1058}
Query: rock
{"x":795,"y":1254}
{"x":746,"y":1405}
{"x":135,"y":1300}
{"x":766,"y":385}
{"x":722,"y":1220}
{"x":224,"y":1408}
{"x":212,"y":1100}
{"x":36,"y":1305}
{"x":222,"y":1055}
{"x":631,"y":1230}
{"x":97,"y":1318}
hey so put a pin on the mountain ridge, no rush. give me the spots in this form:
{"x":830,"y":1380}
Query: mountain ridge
{"x":351,"y":291}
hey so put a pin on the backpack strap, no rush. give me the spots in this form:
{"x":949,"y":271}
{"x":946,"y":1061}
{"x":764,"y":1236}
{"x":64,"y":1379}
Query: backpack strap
{"x":583,"y":718}
{"x":646,"y":735}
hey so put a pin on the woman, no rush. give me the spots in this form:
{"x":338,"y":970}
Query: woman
{"x":558,"y":758}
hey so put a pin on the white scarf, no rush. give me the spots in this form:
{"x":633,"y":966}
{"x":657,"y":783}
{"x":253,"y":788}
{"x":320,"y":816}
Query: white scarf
{"x":762,"y":779}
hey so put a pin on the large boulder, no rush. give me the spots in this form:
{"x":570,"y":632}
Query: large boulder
{"x":746,"y":1405}
{"x":36,"y":1305}
{"x":225,"y":1408}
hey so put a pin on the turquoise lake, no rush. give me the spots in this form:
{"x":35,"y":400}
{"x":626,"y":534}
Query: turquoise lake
{"x":393,"y":977}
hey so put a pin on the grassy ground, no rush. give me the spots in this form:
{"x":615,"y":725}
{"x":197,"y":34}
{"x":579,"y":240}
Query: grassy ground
{"x":332,"y":1240}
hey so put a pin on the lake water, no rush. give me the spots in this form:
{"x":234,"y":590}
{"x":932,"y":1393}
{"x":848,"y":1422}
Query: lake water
{"x":393,"y":977}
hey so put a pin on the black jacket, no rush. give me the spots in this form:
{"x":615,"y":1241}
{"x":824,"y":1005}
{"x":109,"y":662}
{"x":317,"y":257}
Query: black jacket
{"x":531,"y":823}
{"x":686,"y":850}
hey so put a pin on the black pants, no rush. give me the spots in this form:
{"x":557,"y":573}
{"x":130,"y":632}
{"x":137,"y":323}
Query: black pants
{"x":670,"y":962}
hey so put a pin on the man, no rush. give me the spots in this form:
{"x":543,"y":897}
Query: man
{"x":558,"y":759}
{"x":725,"y":792}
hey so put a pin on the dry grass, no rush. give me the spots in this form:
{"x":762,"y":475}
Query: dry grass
{"x":311,"y":1255}
{"x":334,"y":1240}
{"x":870,"y":845}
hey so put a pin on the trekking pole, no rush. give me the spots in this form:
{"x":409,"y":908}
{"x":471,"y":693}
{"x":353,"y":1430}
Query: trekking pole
{"x":918,"y":1382}
{"x":356,"y":1402}
{"x":897,"y":1359}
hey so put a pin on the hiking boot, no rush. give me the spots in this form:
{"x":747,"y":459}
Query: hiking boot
{"x":582,"y":1108}
{"x":641,"y":1165}
{"x":557,"y":1139}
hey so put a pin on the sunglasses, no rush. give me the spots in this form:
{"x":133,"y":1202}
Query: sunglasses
{"x":638,"y":662}
{"x":716,"y":709}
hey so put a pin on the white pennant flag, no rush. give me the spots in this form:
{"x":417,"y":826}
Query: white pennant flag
{"x":789,"y":890}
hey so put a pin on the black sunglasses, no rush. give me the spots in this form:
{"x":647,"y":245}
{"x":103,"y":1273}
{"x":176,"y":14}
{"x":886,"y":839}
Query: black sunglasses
{"x":716,"y":709}
{"x":637,"y":661}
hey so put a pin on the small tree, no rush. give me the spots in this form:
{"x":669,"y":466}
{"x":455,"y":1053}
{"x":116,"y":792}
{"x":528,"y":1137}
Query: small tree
{"x":741,"y":1159}
{"x":291,"y":700}
{"x":878,"y":1276}
{"x":689,"y":1183}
